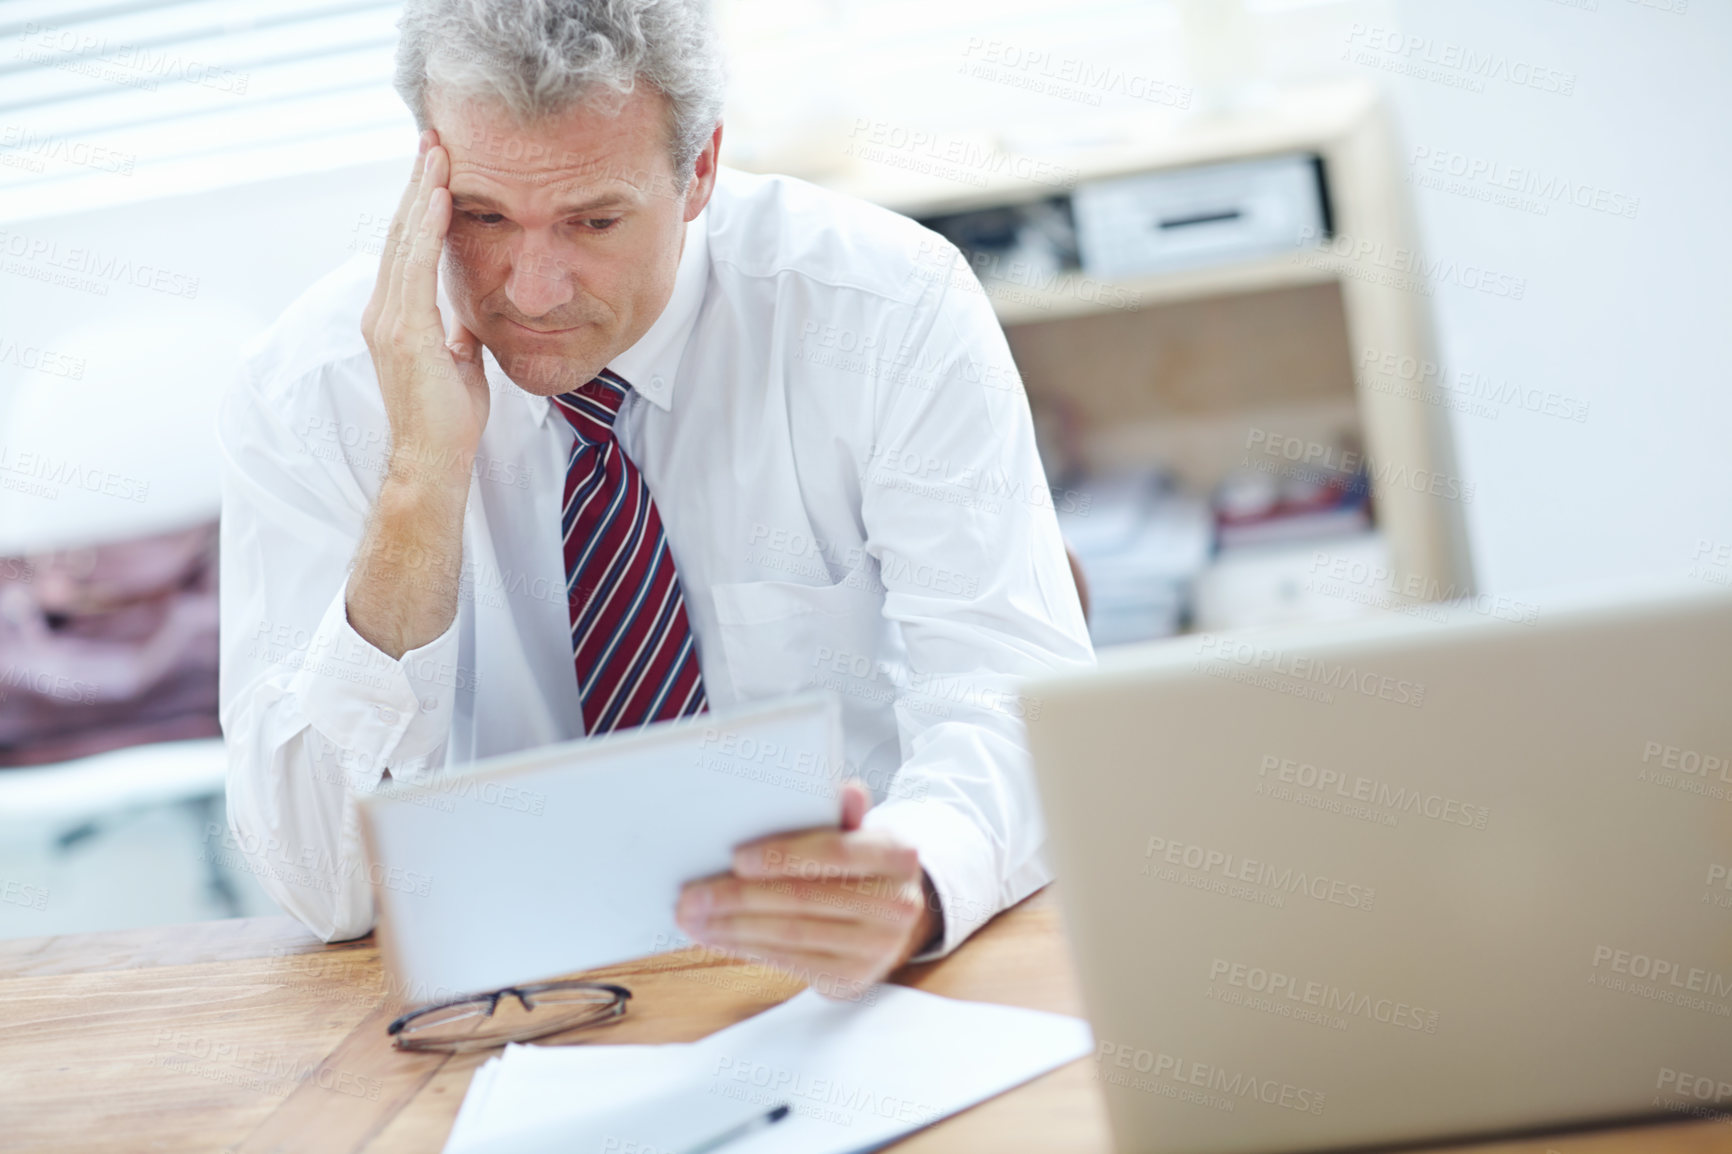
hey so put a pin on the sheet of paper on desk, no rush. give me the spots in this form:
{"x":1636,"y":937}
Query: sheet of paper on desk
{"x":856,"y":1075}
{"x":602,"y":1097}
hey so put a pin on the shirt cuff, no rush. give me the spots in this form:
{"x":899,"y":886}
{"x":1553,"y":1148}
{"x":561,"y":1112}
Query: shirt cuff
{"x":383,"y":713}
{"x":957,"y":857}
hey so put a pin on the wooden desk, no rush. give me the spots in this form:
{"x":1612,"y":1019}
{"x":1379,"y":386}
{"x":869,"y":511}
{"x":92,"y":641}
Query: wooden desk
{"x":253,"y":1036}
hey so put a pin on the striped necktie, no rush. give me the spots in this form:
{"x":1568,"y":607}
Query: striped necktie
{"x":636,"y":658}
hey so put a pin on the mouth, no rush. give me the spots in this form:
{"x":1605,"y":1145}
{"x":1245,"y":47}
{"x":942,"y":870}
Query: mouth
{"x":541,"y":332}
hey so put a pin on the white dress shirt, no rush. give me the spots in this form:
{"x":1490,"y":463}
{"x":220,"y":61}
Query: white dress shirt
{"x":829,"y":420}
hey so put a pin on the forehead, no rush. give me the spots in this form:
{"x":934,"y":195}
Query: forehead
{"x":608,"y":145}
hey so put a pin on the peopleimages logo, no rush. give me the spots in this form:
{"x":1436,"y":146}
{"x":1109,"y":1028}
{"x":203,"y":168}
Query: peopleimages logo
{"x":1257,"y":873}
{"x":1691,"y":978}
{"x":1663,"y":980}
{"x":1383,"y":371}
{"x":1316,"y":670}
{"x":1701,"y":1087}
{"x":1234,"y":1086}
{"x":54,"y":685}
{"x":1313,"y":460}
{"x":1719,"y":878}
{"x":1373,"y":792}
{"x":106,"y":268}
{"x":1322,"y":995}
{"x":1528,"y":188}
{"x":1690,"y":762}
{"x":1458,"y":65}
{"x":34,"y":465}
{"x":24,"y":894}
{"x":769,"y":754}
{"x":1403,"y":268}
{"x":848,"y":1101}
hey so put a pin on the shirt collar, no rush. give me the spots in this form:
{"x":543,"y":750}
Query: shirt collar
{"x":650,"y":363}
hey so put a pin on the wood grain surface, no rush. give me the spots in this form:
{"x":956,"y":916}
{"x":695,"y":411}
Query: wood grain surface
{"x":253,"y":1036}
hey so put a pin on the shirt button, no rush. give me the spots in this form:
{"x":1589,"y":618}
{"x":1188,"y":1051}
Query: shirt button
{"x":657,"y":384}
{"x":387,"y":715}
{"x":429,"y":704}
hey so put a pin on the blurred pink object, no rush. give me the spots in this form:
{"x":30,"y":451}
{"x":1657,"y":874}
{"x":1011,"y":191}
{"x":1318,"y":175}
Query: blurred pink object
{"x":108,"y":646}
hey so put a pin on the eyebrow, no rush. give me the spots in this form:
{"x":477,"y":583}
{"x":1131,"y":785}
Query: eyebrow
{"x":605,"y":200}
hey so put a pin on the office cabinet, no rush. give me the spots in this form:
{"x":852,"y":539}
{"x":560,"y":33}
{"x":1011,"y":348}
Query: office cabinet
{"x":1242,"y":291}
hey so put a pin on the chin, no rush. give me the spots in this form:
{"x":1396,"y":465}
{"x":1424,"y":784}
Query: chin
{"x":544,"y":368}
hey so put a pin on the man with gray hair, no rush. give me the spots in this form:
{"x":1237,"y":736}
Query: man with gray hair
{"x":611,"y":435}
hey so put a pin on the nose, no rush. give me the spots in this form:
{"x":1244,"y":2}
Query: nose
{"x":540,"y":279}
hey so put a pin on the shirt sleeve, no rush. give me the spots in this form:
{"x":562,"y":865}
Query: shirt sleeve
{"x":312,"y":714}
{"x":961,"y":521}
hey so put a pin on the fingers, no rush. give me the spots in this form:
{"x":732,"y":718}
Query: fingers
{"x":388,"y":257}
{"x":426,"y":241}
{"x":834,"y":975}
{"x":868,"y":899}
{"x":857,"y":930}
{"x":410,"y":250}
{"x":856,"y":800}
{"x":826,"y":853}
{"x":828,"y":928}
{"x":403,"y":239}
{"x":844,"y":980}
{"x":867,"y":941}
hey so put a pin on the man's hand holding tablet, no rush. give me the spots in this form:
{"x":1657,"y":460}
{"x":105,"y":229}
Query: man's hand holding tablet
{"x":840,"y":908}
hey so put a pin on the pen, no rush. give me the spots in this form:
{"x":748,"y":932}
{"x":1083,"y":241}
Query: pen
{"x":735,"y":1133}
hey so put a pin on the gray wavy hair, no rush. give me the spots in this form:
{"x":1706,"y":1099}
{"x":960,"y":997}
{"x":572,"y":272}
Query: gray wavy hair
{"x":541,"y":57}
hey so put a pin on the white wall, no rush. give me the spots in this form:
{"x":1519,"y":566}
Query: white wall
{"x":1632,"y":316}
{"x":156,"y":299}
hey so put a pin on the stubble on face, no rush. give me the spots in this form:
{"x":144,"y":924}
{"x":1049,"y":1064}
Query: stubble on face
{"x":552,"y":294}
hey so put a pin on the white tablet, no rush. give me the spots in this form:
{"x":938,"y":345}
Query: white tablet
{"x":572,"y":856}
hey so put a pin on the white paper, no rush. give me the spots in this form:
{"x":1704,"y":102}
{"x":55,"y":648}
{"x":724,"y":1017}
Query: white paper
{"x":855,"y":1074}
{"x":602,"y":1099}
{"x":474,"y":1104}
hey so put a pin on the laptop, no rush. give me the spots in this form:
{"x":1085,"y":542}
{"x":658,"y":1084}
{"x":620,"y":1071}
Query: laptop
{"x":1449,"y":874}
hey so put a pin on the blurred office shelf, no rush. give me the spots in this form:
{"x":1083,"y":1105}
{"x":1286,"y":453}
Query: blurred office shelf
{"x":1326,"y":578}
{"x":1213,"y":299}
{"x":1142,"y":543}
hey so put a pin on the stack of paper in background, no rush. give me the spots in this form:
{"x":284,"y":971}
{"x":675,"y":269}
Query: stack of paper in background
{"x":1282,"y":537}
{"x":1142,"y":543}
{"x":854,"y":1075}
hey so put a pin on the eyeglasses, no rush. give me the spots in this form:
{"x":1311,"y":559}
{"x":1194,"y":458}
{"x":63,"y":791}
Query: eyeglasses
{"x":514,"y":1014}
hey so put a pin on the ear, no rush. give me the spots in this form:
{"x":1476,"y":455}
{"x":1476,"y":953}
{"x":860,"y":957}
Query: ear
{"x":703,"y":182}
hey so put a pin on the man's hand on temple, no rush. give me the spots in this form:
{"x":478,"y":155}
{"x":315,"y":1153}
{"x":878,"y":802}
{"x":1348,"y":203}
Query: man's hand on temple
{"x":839,"y":908}
{"x":403,"y":586}
{"x":431,"y":379}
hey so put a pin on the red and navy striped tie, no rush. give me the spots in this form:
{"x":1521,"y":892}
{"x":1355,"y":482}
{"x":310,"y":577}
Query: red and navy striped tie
{"x":637,"y":661}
